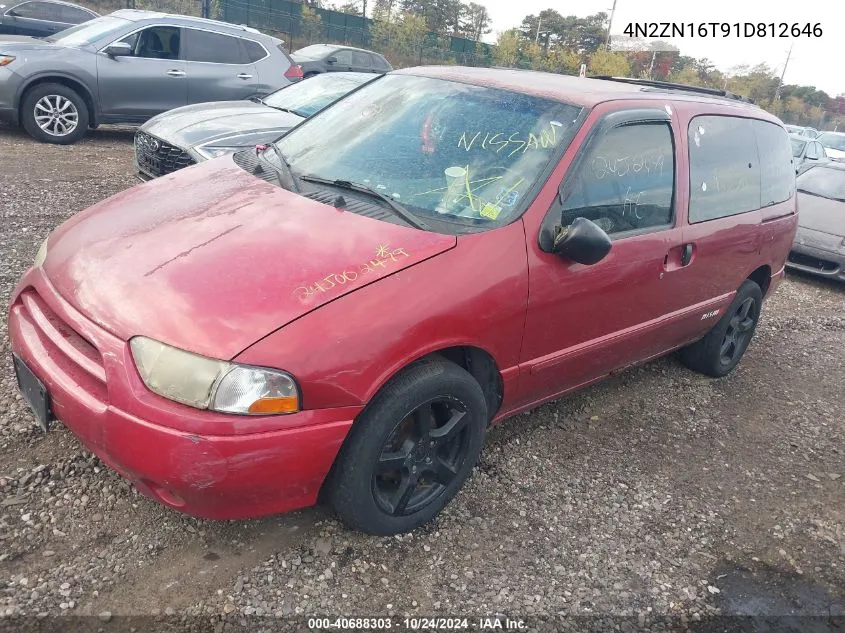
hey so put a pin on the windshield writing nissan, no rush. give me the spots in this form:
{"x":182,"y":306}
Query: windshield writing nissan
{"x":444,"y":150}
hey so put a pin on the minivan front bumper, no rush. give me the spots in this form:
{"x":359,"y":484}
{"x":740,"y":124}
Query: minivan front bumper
{"x":161,"y":446}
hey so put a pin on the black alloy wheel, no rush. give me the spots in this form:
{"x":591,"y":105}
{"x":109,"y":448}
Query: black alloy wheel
{"x":421,"y":457}
{"x":739,"y":331}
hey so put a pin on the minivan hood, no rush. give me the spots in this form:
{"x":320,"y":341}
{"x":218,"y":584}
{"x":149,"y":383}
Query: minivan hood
{"x":821,"y":214}
{"x":211,"y":259}
{"x":194,"y":125}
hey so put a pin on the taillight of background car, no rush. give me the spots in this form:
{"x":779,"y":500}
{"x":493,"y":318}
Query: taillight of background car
{"x":294,"y":73}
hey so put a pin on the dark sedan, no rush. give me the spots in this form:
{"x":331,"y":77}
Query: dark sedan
{"x":191,"y":134}
{"x":40,"y":18}
{"x":819,"y":246}
{"x":329,"y":58}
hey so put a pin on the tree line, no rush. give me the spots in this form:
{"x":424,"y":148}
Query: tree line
{"x":554,"y":42}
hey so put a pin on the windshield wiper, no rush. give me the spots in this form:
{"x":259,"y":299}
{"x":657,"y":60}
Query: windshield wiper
{"x":397,"y":208}
{"x":285,"y":174}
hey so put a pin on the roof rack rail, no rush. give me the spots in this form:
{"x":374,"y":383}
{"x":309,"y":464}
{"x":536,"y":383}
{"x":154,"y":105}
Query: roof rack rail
{"x":667,"y":85}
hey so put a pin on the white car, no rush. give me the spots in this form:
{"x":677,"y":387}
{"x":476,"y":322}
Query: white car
{"x":834,"y":144}
{"x":808,"y":132}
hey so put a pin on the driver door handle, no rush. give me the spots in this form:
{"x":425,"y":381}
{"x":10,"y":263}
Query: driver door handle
{"x":175,"y":73}
{"x":244,"y":76}
{"x":686,"y":254}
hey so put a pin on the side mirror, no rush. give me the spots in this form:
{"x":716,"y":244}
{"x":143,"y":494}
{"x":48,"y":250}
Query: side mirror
{"x":331,"y":60}
{"x":118,"y":49}
{"x":582,"y":242}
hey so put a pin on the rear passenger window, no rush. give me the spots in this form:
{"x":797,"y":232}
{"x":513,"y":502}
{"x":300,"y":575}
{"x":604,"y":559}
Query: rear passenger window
{"x":73,"y":15}
{"x":724,"y":169}
{"x":626,"y":181}
{"x":254,"y":50}
{"x":362,"y":60}
{"x":777,"y":173}
{"x":215,"y":48}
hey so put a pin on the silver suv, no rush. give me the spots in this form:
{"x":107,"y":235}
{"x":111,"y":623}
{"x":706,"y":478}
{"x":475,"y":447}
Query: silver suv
{"x":131,"y":65}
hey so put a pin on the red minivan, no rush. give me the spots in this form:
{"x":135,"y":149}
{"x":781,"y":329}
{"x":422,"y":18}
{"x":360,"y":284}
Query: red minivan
{"x":342,"y":314}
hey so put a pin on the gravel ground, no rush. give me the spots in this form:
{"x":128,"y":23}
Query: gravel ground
{"x":657,"y":493}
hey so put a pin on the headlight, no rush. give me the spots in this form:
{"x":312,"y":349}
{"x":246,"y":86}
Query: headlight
{"x":206,"y":383}
{"x":216,"y":151}
{"x":41,"y":255}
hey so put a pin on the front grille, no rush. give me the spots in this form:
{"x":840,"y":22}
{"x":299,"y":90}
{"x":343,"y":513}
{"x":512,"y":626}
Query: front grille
{"x":76,"y":356}
{"x":816,"y":263}
{"x":157,"y":158}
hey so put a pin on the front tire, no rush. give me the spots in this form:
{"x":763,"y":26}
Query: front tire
{"x":54,"y":113}
{"x":720,"y":351}
{"x":411,"y":450}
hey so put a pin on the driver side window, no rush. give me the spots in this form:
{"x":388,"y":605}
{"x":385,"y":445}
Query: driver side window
{"x":626,"y":181}
{"x":157,"y":42}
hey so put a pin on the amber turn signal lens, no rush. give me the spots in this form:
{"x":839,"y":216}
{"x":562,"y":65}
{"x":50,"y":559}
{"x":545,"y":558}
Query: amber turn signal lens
{"x":271,"y":406}
{"x":5,"y":60}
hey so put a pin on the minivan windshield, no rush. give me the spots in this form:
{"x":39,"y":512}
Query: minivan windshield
{"x":832,"y":140}
{"x":451,"y":151}
{"x":305,"y":98}
{"x":827,"y":182}
{"x":88,"y":32}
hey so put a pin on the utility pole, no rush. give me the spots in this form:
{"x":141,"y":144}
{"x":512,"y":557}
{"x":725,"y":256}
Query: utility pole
{"x":783,"y":72}
{"x":610,"y":23}
{"x":539,"y":22}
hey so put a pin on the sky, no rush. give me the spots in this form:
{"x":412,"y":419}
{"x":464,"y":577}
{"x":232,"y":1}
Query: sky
{"x":815,"y":61}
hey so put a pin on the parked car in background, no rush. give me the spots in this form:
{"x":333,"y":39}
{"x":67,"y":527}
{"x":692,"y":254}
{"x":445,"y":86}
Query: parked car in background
{"x":40,"y":18}
{"x":328,"y":58}
{"x":128,"y":66}
{"x":807,"y":132}
{"x":195,"y":133}
{"x":834,"y":144}
{"x":343,"y":314}
{"x":806,"y":152}
{"x":819,"y":246}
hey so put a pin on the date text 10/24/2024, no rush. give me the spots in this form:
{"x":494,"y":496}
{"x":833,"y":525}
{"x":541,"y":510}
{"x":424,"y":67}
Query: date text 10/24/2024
{"x":418,"y":624}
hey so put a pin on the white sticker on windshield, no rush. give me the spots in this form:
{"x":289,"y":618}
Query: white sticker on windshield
{"x":701,"y":130}
{"x":704,"y":186}
{"x":696,"y":139}
{"x":556,"y":123}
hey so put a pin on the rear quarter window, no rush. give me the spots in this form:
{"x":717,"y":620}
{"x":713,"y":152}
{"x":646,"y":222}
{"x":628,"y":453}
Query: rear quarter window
{"x":724,"y":167}
{"x":777,"y":171}
{"x":254,"y":51}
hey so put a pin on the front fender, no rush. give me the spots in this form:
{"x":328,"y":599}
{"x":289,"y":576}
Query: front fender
{"x":473,"y":295}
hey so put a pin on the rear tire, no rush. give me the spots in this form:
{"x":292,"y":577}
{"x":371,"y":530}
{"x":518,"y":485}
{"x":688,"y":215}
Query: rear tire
{"x":411,"y":450}
{"x":719,"y":352}
{"x":54,"y":113}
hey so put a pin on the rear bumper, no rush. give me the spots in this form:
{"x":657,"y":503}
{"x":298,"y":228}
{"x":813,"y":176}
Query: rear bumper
{"x":817,"y":261}
{"x":202,"y":463}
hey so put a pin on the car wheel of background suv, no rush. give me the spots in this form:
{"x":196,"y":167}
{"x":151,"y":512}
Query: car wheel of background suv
{"x":54,"y":113}
{"x":411,"y":450}
{"x":722,"y":348}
